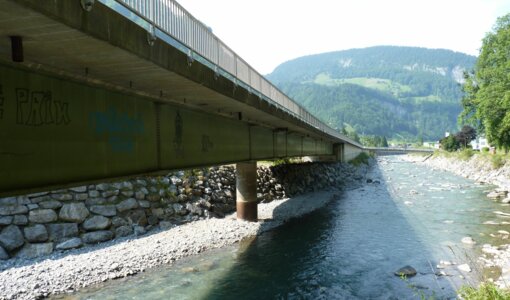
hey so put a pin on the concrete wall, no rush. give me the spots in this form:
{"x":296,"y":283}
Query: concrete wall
{"x":57,"y":132}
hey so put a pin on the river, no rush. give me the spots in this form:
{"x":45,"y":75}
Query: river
{"x":408,"y":215}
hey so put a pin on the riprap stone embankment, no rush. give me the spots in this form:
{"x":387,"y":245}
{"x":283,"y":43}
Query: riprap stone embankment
{"x":203,"y":197}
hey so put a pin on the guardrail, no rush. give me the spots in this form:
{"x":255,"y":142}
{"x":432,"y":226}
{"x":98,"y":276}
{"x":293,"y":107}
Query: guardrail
{"x":171,"y":18}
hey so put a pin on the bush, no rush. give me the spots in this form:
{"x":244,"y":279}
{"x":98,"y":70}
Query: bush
{"x":485,"y":291}
{"x":466,"y":154}
{"x":497,"y":161}
{"x":485,"y":149}
{"x":362,"y":158}
{"x":450,"y":143}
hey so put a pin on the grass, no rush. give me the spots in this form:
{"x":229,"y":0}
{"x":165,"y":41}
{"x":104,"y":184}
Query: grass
{"x":384,"y":85}
{"x":497,"y":160}
{"x":466,"y":154}
{"x":486,"y":291}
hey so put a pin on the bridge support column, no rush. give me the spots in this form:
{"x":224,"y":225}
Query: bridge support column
{"x":246,"y":191}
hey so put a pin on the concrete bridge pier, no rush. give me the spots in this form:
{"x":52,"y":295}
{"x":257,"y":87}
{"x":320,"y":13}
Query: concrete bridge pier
{"x":246,"y":191}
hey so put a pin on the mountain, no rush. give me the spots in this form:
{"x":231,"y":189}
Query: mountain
{"x":384,"y":90}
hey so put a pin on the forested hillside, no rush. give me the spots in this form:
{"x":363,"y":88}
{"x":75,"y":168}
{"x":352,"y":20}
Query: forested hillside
{"x":393,"y":91}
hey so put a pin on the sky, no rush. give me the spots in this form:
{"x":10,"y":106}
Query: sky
{"x":266,"y":33}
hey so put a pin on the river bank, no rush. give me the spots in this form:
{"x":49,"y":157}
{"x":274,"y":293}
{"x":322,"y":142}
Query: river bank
{"x":481,"y":169}
{"x":68,"y":271}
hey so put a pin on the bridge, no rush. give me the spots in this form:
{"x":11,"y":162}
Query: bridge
{"x":398,"y":150}
{"x":102,"y":90}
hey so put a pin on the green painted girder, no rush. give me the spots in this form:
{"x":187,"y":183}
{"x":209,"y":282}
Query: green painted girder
{"x":55,"y":132}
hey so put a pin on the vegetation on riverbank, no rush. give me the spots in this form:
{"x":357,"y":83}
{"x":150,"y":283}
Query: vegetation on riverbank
{"x":486,"y":291}
{"x":362,"y":158}
{"x":496,"y":160}
{"x":487,"y":95}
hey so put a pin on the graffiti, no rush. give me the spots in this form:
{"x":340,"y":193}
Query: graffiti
{"x":120,"y":129}
{"x":206,"y":143}
{"x":38,"y":108}
{"x":178,"y":134}
{"x":1,"y":102}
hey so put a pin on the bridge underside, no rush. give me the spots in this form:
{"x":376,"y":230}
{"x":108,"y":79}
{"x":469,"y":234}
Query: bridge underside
{"x":56,"y":132}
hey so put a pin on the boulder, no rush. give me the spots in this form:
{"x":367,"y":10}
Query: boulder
{"x":3,"y":254}
{"x":139,"y":195}
{"x":20,"y":220}
{"x":79,"y":189}
{"x":35,"y":250}
{"x":123,"y":231}
{"x":62,"y":197}
{"x":74,"y":212}
{"x":137,"y":217}
{"x":127,"y":204}
{"x":179,"y":209}
{"x":42,"y":216}
{"x":118,"y":221}
{"x":81,"y":196}
{"x":9,"y":201}
{"x":96,"y":223}
{"x":6,"y":220}
{"x":52,"y":204}
{"x":139,"y":230}
{"x":60,"y":231}
{"x":464,"y":268}
{"x":468,"y":240}
{"x":94,"y":194}
{"x":406,"y":271}
{"x":95,"y":237}
{"x":11,"y":238}
{"x":144,"y":204}
{"x":104,"y":210}
{"x":13,"y":210}
{"x":152,"y":220}
{"x":70,"y":244}
{"x":36,"y":233}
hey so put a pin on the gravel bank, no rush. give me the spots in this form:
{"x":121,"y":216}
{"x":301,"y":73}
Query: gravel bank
{"x":69,"y":271}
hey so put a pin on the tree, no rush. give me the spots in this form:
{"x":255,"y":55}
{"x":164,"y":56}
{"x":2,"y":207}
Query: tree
{"x":487,"y":90}
{"x":450,"y":143}
{"x":465,"y":135}
{"x":384,"y":142}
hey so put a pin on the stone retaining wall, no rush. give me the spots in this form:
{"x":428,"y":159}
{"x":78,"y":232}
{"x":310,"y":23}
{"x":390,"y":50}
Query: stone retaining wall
{"x":38,"y":224}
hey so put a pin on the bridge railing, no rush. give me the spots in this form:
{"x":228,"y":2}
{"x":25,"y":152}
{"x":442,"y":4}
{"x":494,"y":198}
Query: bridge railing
{"x":171,"y":18}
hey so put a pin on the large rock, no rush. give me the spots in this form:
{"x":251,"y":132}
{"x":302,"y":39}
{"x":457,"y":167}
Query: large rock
{"x":8,"y":201}
{"x":36,"y":233}
{"x":123,"y":231}
{"x":35,"y":250}
{"x":104,"y":210}
{"x":6,"y":220}
{"x":13,"y":210}
{"x":58,"y":232}
{"x":79,"y":189}
{"x":20,"y":220}
{"x":11,"y":238}
{"x":3,"y":254}
{"x":52,"y":204}
{"x":70,"y":244}
{"x":74,"y":212}
{"x":127,"y":204}
{"x":96,"y":223}
{"x":137,"y":217}
{"x":42,"y":216}
{"x":406,"y":271}
{"x":97,"y":236}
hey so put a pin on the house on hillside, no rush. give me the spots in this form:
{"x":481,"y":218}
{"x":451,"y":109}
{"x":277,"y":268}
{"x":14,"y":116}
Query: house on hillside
{"x":479,"y":143}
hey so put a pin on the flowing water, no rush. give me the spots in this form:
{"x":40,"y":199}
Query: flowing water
{"x":409,"y":215}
